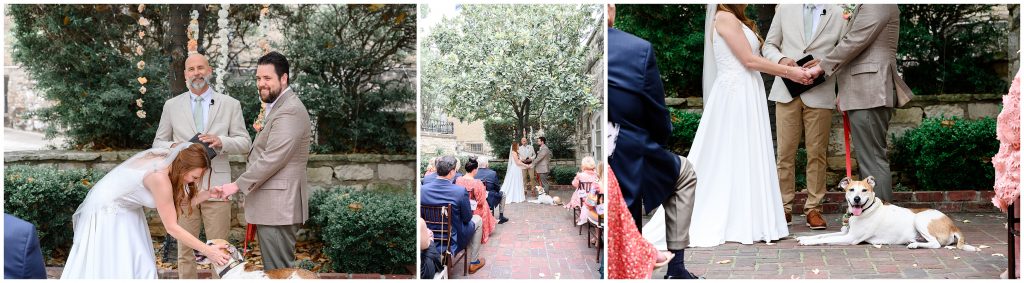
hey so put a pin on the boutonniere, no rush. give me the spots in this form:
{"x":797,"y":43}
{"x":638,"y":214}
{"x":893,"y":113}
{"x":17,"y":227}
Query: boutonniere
{"x":848,"y":10}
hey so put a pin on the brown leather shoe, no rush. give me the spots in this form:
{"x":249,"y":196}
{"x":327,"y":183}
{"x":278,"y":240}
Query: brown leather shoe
{"x":789,"y":219}
{"x":815,"y":221}
{"x":474,"y":267}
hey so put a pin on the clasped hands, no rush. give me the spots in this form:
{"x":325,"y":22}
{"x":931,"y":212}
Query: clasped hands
{"x":224,"y":191}
{"x":802,"y":74}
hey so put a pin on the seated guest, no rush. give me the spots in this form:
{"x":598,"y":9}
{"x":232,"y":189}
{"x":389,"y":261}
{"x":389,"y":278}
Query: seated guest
{"x":478,"y":192}
{"x":587,"y":173}
{"x":430,"y":259}
{"x":440,"y":191}
{"x":494,"y":195}
{"x":431,"y":171}
{"x":22,"y":257}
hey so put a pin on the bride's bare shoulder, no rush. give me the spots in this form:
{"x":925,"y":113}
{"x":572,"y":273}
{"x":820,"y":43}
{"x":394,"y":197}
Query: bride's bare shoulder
{"x":725,"y":17}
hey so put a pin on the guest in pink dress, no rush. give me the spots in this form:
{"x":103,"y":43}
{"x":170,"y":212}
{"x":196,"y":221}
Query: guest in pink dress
{"x":587,"y":173}
{"x":1007,"y":160}
{"x":478,"y":192}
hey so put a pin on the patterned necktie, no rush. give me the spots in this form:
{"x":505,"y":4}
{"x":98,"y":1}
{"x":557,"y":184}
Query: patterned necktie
{"x":197,"y":113}
{"x":258,"y":124}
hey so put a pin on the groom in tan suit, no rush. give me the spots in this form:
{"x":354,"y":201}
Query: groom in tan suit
{"x":219,"y":119}
{"x":274,"y":182}
{"x":798,"y":30}
{"x":864,"y":62}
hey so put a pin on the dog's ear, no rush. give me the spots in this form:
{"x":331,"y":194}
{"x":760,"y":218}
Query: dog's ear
{"x":845,"y":182}
{"x":871,"y":181}
{"x":200,"y":257}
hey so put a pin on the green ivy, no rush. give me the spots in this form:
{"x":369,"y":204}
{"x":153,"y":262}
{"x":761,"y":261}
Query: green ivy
{"x":48,"y":198}
{"x":948,"y":153}
{"x":366,"y":231}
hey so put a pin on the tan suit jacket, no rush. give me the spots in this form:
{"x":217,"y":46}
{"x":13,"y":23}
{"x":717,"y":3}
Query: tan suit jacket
{"x":224,"y":120}
{"x":543,"y":158}
{"x":274,"y":182}
{"x":785,"y":39}
{"x":864,"y":61}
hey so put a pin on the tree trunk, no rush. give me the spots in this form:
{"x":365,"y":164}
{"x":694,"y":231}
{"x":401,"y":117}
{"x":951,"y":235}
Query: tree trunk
{"x":523,"y":120}
{"x":176,"y":43}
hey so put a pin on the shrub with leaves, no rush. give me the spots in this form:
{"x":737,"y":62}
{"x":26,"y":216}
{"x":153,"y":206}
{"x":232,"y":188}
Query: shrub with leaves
{"x":48,"y":198}
{"x":949,"y":153}
{"x":564,"y":174}
{"x":366,"y":231}
{"x":684,"y":130}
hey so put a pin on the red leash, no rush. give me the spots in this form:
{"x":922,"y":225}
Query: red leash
{"x":250,"y":235}
{"x":846,"y":137}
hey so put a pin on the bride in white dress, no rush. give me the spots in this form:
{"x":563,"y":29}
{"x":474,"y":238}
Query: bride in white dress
{"x":513,"y":187}
{"x":737,"y":197}
{"x":112,"y":239}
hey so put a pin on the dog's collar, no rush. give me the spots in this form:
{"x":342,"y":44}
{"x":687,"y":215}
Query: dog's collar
{"x":234,"y":263}
{"x":873,"y":201}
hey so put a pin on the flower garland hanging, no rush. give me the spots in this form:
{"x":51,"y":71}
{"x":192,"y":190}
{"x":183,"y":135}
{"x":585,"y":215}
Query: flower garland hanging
{"x":193,"y":32}
{"x":141,"y":64}
{"x":264,"y":28}
{"x":222,"y":37}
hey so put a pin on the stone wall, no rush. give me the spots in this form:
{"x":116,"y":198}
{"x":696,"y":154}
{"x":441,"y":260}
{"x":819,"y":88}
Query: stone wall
{"x":362,"y":171}
{"x":970,"y":106}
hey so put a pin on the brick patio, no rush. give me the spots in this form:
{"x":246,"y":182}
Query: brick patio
{"x":538,"y":242}
{"x":786,"y":259}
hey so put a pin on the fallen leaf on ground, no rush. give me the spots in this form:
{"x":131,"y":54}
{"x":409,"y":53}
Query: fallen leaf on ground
{"x":725,"y":261}
{"x":999,"y":255}
{"x":816,"y":271}
{"x":967,"y":221}
{"x":878,"y":246}
{"x":983,"y":247}
{"x":956,"y":257}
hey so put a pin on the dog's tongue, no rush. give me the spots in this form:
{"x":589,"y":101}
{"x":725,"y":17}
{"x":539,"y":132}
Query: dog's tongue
{"x":857,"y":211}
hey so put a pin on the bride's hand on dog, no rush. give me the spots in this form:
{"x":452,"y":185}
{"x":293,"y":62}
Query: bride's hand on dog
{"x":216,"y":254}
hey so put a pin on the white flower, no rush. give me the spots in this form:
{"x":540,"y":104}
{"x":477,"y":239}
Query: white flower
{"x":142,"y":90}
{"x":141,"y":65}
{"x":143,"y":21}
{"x":141,"y":114}
{"x":195,"y":14}
{"x":142,"y":7}
{"x":138,"y":102}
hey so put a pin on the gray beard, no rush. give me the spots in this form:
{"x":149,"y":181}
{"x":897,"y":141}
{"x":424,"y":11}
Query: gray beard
{"x":193,"y":85}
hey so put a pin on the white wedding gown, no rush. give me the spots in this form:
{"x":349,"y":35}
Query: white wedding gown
{"x":512,"y":186}
{"x":737,"y":197}
{"x":112,"y":239}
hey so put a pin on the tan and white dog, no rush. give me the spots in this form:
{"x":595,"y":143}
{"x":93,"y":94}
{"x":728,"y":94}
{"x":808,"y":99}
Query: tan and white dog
{"x":235,"y":268}
{"x":879,"y":223}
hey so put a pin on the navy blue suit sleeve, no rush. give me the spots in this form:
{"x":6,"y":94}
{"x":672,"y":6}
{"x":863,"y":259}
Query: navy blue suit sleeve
{"x":35,"y":267}
{"x":661,"y":125}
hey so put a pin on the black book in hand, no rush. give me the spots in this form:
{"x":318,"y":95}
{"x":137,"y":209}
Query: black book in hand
{"x":795,"y":88}
{"x":209,"y":150}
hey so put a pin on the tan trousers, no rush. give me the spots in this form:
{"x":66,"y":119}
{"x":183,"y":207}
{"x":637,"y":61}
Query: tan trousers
{"x":794,"y":121}
{"x":215,"y":217}
{"x":530,"y":179}
{"x":679,"y":207}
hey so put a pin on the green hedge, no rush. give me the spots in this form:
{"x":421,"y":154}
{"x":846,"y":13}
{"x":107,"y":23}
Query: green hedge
{"x":948,"y":154}
{"x":500,"y":170}
{"x":366,"y":231}
{"x":564,"y":174}
{"x":684,"y":129}
{"x":47,"y":198}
